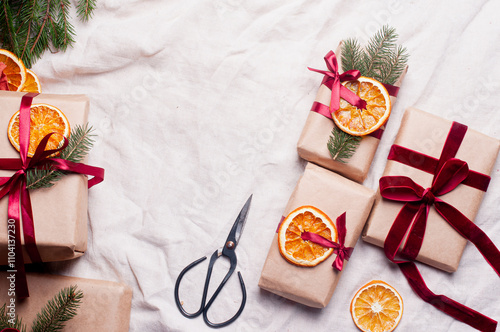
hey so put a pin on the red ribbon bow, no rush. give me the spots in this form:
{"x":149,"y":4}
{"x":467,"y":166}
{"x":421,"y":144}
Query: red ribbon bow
{"x":448,"y":172}
{"x":15,"y":187}
{"x":343,"y":252}
{"x":333,"y":79}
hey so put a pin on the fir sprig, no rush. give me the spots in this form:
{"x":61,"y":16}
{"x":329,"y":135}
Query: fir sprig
{"x":342,"y":145}
{"x":79,"y":144}
{"x":30,"y":27}
{"x":53,"y":316}
{"x":382,"y":60}
{"x":58,"y":310}
{"x":5,"y":320}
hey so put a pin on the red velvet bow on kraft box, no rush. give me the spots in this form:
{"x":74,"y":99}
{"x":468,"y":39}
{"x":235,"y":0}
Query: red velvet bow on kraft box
{"x":312,"y":144}
{"x":435,"y":178}
{"x":347,"y":204}
{"x":58,"y":227}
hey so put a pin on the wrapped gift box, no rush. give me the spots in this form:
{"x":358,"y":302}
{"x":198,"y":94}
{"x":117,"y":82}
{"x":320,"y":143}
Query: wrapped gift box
{"x":105,"y":305}
{"x":442,"y":246}
{"x":312,"y":144}
{"x":59,"y":212}
{"x":334,"y":195}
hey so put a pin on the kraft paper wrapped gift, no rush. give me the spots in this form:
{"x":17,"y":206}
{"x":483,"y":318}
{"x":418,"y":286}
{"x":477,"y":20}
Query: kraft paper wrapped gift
{"x":423,"y":132}
{"x":105,"y":305}
{"x":334,"y":195}
{"x":59,"y":212}
{"x":312,"y":144}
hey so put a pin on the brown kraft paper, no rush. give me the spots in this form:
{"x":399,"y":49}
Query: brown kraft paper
{"x":105,"y":305}
{"x":59,"y":212}
{"x":312,"y":144}
{"x":334,"y":195}
{"x":426,"y":133}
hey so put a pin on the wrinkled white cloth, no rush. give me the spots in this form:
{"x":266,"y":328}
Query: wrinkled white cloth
{"x":198,"y":104}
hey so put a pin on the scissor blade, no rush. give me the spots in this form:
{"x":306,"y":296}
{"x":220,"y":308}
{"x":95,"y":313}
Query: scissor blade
{"x":239,"y":224}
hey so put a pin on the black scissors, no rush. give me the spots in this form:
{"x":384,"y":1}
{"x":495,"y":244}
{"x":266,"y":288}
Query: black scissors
{"x":228,"y":251}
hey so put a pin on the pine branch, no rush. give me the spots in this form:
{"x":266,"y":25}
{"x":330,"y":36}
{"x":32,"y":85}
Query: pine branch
{"x":378,"y":50}
{"x":85,"y":8}
{"x":391,"y":70}
{"x":79,"y":144}
{"x":30,"y":27}
{"x":352,"y":55}
{"x":4,"y":320}
{"x":342,"y":145}
{"x":58,"y":310}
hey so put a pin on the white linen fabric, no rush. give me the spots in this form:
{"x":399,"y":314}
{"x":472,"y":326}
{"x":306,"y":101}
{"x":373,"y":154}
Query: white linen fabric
{"x":198,"y":104}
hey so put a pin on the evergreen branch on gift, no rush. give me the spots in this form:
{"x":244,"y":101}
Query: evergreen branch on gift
{"x":378,"y":51}
{"x":58,"y":310}
{"x":352,"y":54}
{"x":80,"y":142}
{"x":7,"y":322}
{"x":342,"y":145}
{"x":382,"y":60}
{"x":30,"y":27}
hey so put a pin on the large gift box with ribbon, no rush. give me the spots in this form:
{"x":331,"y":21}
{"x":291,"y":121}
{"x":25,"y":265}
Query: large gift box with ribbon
{"x":312,"y":144}
{"x":435,"y":178}
{"x":346,"y":203}
{"x":46,"y":224}
{"x":105,"y":305}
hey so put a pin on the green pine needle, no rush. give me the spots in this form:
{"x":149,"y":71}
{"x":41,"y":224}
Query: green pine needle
{"x":80,"y":143}
{"x":58,"y":310}
{"x":4,"y":320}
{"x":342,"y":145}
{"x":382,"y":60}
{"x":28,"y":28}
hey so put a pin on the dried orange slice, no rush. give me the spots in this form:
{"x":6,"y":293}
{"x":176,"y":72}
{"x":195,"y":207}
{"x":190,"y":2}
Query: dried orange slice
{"x":45,"y":119}
{"x":377,"y":307}
{"x":358,"y":122}
{"x":15,"y":70}
{"x":32,"y":83}
{"x":302,"y":252}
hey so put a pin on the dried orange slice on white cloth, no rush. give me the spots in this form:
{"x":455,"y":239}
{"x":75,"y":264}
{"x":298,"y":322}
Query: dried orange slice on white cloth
{"x":377,"y":307}
{"x":357,"y":122}
{"x":45,"y":119}
{"x":15,"y":70}
{"x":302,"y":252}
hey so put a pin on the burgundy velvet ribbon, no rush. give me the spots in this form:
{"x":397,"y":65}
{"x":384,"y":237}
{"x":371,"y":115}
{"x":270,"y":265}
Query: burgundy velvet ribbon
{"x":10,"y":329}
{"x":449,"y":173}
{"x":343,"y":252}
{"x":333,"y":79}
{"x":4,"y":84}
{"x":19,"y":196}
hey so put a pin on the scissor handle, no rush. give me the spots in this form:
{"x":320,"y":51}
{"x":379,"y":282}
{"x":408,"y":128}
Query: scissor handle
{"x":177,"y":283}
{"x":204,"y":308}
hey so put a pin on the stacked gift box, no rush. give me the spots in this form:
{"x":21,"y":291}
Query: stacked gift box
{"x":446,"y":167}
{"x":59,"y":215}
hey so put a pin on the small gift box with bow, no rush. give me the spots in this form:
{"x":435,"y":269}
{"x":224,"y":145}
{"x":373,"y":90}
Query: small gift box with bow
{"x":347,"y":204}
{"x":105,"y":305}
{"x":437,"y":170}
{"x":46,"y":224}
{"x":313,"y":141}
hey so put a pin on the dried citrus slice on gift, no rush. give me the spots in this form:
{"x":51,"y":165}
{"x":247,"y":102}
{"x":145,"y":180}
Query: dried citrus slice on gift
{"x":32,"y":83}
{"x":15,"y":70}
{"x":45,"y":119}
{"x":358,"y":122}
{"x":302,"y":252}
{"x":377,"y":307}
